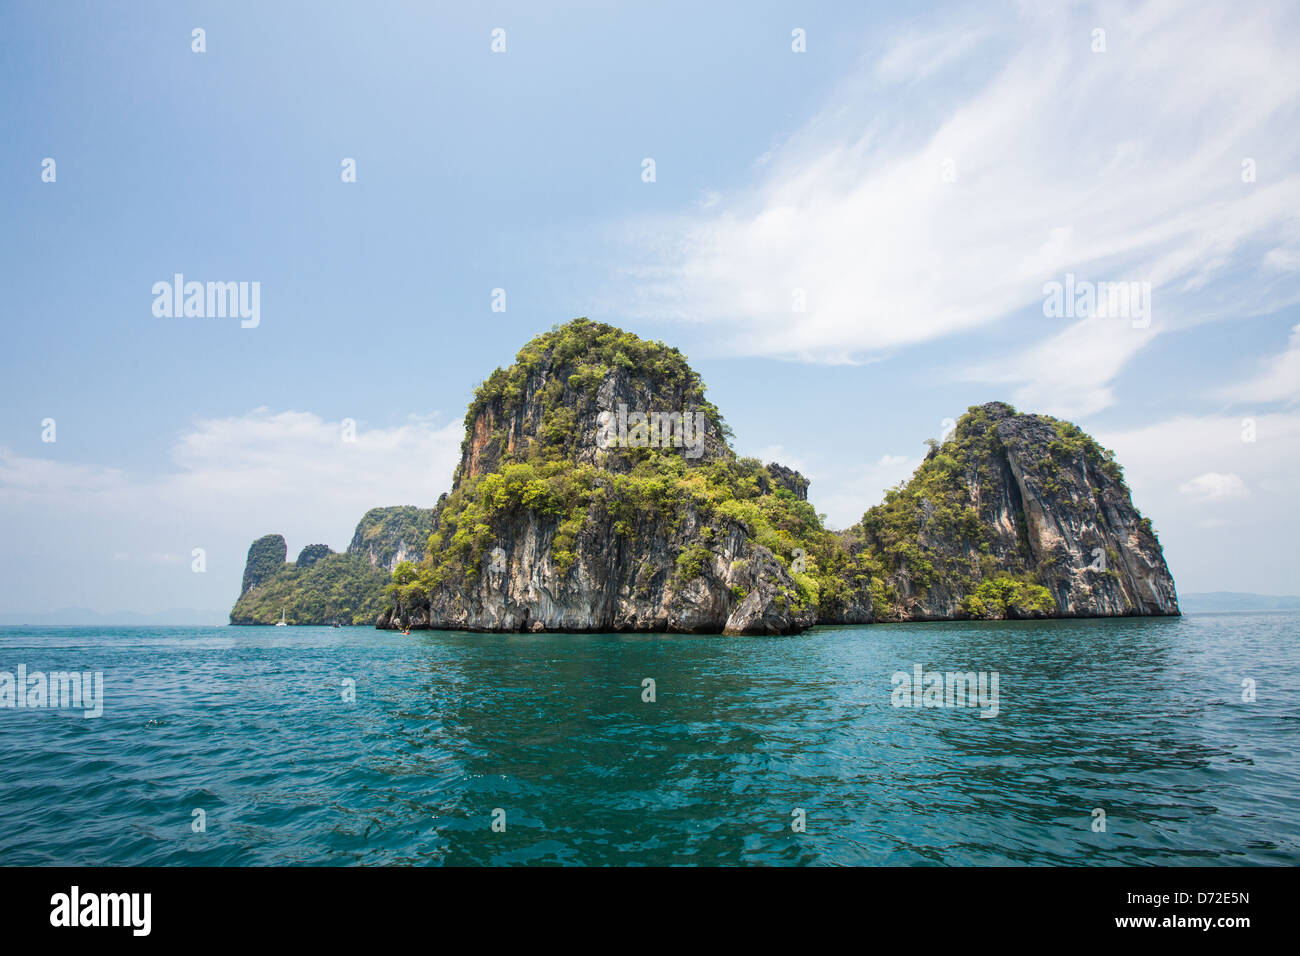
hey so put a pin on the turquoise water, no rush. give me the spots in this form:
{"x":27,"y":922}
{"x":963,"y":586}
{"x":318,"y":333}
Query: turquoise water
{"x":1142,"y":718}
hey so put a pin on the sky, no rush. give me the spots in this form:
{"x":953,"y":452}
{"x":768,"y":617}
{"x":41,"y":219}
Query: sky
{"x":854,"y":222}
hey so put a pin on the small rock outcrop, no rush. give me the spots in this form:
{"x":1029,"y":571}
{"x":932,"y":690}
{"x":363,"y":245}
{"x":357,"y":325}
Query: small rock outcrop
{"x":789,"y":479}
{"x":312,"y":553}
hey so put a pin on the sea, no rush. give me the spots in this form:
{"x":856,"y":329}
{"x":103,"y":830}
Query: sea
{"x":1121,"y":742}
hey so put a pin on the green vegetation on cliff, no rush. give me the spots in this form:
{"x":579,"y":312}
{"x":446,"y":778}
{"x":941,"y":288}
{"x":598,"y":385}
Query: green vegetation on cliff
{"x":934,"y":506}
{"x":383,"y":534}
{"x":576,"y":358}
{"x":653,"y":492}
{"x":322,"y":587}
{"x":311,"y":554}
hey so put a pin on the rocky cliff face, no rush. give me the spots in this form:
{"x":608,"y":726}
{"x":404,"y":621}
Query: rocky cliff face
{"x":385,"y":537}
{"x":1088,"y":544}
{"x":1015,"y":516}
{"x":683,"y":576}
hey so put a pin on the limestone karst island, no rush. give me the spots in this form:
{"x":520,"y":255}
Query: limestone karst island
{"x":597,"y":490}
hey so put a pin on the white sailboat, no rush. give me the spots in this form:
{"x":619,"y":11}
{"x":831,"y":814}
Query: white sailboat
{"x":281,"y":622}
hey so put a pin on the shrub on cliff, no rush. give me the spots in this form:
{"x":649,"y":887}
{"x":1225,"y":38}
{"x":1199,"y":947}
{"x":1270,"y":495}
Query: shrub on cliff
{"x":1005,"y":595}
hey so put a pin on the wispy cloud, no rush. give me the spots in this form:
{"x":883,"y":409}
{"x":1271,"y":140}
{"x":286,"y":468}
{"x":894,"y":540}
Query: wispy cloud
{"x":936,"y":195}
{"x":1278,"y":379}
{"x":1069,"y":373}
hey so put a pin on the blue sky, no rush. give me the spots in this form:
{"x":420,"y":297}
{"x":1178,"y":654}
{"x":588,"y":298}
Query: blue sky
{"x":918,"y":175}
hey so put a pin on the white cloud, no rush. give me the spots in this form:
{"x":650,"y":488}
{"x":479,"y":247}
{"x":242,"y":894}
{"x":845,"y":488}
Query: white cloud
{"x":233,"y":479}
{"x":1068,"y":374}
{"x":854,"y":493}
{"x":1287,"y":260}
{"x":46,"y":476}
{"x":288,"y":455}
{"x":1118,"y":166}
{"x":1213,"y":485}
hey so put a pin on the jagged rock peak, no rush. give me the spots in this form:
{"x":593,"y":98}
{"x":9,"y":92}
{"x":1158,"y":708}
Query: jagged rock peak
{"x":266,"y":557}
{"x":789,"y":479}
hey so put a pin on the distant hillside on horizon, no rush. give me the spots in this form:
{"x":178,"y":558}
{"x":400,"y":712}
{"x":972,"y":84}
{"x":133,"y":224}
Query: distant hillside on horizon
{"x":1238,"y":601}
{"x":177,"y":617}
